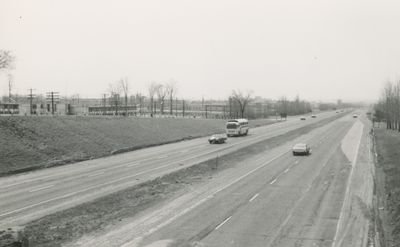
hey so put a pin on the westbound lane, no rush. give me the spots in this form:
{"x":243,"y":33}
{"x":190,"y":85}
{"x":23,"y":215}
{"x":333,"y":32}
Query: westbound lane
{"x":28,"y":196}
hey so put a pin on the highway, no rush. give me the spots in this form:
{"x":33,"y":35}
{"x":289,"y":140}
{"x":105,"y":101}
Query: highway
{"x":270,"y":199}
{"x":32,"y":195}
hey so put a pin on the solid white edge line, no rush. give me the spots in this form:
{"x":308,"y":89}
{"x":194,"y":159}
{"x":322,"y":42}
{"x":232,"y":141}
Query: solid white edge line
{"x":223,"y":222}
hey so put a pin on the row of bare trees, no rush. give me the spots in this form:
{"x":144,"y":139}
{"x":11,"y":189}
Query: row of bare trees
{"x":295,"y":107}
{"x":163,"y":92}
{"x":158,"y":94}
{"x":388,"y":107}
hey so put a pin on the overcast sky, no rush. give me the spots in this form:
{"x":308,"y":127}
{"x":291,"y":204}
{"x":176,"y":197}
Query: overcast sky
{"x":319,"y":49}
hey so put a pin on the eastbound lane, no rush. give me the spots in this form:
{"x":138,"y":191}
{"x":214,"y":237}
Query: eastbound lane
{"x":294,"y":201}
{"x":28,"y":196}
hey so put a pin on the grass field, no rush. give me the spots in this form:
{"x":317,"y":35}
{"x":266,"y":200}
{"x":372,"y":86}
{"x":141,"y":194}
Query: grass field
{"x":387,"y":147}
{"x":28,"y":143}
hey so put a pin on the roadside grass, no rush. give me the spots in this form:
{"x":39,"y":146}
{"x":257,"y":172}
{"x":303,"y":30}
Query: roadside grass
{"x":64,"y":226}
{"x":387,"y":147}
{"x":29,"y":143}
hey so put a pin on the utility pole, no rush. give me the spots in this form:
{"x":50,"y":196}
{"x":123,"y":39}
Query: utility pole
{"x":30,"y":97}
{"x":176,"y":106}
{"x":183,"y":108}
{"x":52,"y":97}
{"x":104,"y":103}
{"x":202,"y":106}
{"x":140,"y":104}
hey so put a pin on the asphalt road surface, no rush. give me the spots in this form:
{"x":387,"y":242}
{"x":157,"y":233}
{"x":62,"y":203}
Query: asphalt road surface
{"x":272,"y":199}
{"x":32,"y":195}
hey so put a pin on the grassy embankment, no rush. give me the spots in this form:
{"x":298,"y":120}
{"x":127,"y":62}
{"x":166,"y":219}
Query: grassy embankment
{"x":28,"y":143}
{"x":388,"y":167}
{"x":61,"y":227}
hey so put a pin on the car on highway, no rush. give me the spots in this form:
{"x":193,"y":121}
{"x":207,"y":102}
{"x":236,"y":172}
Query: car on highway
{"x":301,"y":149}
{"x":303,"y":118}
{"x":217,"y":139}
{"x":313,"y":116}
{"x":355,"y":116}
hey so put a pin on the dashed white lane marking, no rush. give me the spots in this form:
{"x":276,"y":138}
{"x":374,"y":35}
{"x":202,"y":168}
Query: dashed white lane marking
{"x":133,"y":164}
{"x":95,"y":174}
{"x":296,"y":162}
{"x":41,"y":188}
{"x":254,"y":197}
{"x":223,"y":222}
{"x":286,"y":170}
{"x":273,"y":181}
{"x":162,"y":157}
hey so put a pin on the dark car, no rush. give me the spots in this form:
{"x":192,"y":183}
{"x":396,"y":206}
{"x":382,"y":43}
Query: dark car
{"x":217,"y":139}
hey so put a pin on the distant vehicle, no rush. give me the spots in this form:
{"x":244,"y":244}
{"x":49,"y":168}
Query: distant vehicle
{"x":337,"y":111}
{"x":237,"y":127}
{"x":313,"y":116}
{"x":355,"y":116}
{"x":303,"y":118}
{"x":301,"y":149}
{"x":217,"y":139}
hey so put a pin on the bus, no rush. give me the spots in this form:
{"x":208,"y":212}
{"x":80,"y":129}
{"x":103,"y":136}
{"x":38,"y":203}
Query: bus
{"x":237,"y":127}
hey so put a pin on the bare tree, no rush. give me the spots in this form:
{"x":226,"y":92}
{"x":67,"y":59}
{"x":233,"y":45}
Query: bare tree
{"x":388,"y":98}
{"x":124,"y":84}
{"x":152,"y":89}
{"x":10,"y":86}
{"x":6,"y":60}
{"x":171,"y":89}
{"x":242,"y":99}
{"x":161,"y":94}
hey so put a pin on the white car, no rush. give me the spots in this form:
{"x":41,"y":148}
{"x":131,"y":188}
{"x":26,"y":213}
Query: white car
{"x":301,"y":149}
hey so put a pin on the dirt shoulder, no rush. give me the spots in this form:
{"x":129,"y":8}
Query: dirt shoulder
{"x":29,"y":143}
{"x":64,"y":226}
{"x":387,"y":187}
